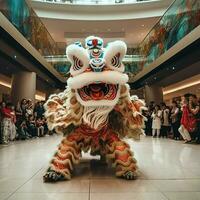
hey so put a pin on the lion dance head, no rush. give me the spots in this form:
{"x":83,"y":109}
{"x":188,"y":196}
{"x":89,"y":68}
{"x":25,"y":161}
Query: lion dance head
{"x":97,"y":72}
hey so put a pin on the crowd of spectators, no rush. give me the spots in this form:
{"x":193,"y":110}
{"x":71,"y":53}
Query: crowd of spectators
{"x":180,"y":120}
{"x":22,"y":122}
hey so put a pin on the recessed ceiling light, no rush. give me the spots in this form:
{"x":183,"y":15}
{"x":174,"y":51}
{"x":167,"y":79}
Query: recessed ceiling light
{"x":15,"y":56}
{"x":173,"y":68}
{"x":143,"y":25}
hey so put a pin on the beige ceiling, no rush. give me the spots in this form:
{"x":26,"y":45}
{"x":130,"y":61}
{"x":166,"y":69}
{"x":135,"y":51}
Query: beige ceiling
{"x":131,"y":31}
{"x":190,"y":85}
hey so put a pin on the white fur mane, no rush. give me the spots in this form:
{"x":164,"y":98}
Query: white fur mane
{"x":95,"y":116}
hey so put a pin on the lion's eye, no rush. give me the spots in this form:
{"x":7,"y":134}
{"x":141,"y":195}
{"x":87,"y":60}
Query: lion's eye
{"x":77,"y":63}
{"x":116,"y":60}
{"x":114,"y":53}
{"x":79,"y":59}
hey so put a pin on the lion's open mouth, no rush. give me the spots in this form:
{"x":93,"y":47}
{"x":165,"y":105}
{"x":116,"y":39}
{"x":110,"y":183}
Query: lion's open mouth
{"x":98,"y":91}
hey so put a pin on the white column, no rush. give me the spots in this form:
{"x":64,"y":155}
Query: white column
{"x":23,"y":86}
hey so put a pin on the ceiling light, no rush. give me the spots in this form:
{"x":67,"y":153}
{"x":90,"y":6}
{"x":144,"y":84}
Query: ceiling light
{"x":5,"y":84}
{"x":40,"y":97}
{"x":37,"y":96}
{"x":143,"y":25}
{"x":181,"y":87}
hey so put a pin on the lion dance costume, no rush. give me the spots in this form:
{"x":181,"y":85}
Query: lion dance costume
{"x":95,"y":112}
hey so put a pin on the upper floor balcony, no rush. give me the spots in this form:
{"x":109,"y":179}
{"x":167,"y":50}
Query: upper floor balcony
{"x":95,"y":2}
{"x":94,"y":10}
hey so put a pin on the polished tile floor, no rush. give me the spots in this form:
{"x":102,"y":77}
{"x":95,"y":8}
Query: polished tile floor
{"x":169,"y":170}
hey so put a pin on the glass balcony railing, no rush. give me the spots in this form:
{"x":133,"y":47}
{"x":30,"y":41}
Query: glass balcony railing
{"x":180,"y":19}
{"x":94,"y":2}
{"x":23,"y":17}
{"x":61,"y":63}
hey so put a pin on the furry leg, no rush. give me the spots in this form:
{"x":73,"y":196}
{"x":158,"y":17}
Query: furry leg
{"x":122,"y":158}
{"x":68,"y":154}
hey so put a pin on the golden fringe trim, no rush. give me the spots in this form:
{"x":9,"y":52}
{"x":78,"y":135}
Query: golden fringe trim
{"x":70,"y":157}
{"x":69,"y":149}
{"x":122,"y":163}
{"x":69,"y":161}
{"x":111,"y":148}
{"x":121,"y":166}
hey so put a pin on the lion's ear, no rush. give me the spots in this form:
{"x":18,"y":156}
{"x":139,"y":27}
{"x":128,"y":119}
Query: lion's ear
{"x":114,"y":53}
{"x":79,"y":59}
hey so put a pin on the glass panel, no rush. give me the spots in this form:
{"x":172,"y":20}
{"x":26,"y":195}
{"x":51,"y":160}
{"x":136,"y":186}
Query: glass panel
{"x":23,"y":17}
{"x":61,"y":63}
{"x":180,"y":19}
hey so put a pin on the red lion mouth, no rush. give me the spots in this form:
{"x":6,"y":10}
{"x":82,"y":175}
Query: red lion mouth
{"x":99,"y":91}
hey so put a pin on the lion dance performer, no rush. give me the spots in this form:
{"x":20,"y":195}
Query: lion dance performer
{"x":95,"y":112}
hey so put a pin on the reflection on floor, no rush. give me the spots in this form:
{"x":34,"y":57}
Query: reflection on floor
{"x":169,"y":170}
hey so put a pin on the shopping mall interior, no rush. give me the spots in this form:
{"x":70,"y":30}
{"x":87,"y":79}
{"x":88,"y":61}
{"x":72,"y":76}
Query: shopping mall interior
{"x":102,"y":83}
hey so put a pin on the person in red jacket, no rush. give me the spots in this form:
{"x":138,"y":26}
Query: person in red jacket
{"x":185,"y":120}
{"x":7,"y":120}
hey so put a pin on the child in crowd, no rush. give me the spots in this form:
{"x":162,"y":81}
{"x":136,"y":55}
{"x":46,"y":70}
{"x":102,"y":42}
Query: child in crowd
{"x":31,"y":126}
{"x":40,"y":127}
{"x":23,"y":131}
{"x":165,"y":121}
{"x":156,"y":122}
